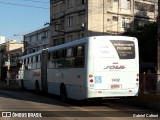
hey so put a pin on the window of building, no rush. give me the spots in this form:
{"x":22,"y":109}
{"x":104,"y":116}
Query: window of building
{"x":34,"y":38}
{"x":40,"y":36}
{"x":128,"y":4}
{"x":70,"y":21}
{"x":115,"y":0}
{"x":46,"y":34}
{"x":61,"y":7}
{"x":125,"y":4}
{"x":125,"y":22}
{"x":61,"y":24}
{"x":69,"y":38}
{"x":83,"y":1}
{"x":108,"y":20}
{"x":114,"y":18}
{"x":144,"y":6}
{"x":70,"y":3}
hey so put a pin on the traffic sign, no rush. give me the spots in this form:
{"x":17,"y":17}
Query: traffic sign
{"x":7,"y":63}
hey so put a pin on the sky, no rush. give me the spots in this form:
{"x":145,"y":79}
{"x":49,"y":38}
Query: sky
{"x":22,"y":17}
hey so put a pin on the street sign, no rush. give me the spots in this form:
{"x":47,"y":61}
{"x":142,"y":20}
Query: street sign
{"x":7,"y":63}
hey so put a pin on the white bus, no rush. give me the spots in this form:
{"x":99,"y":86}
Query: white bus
{"x":93,"y":67}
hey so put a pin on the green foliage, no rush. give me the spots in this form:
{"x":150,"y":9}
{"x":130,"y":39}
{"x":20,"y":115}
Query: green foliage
{"x":147,"y":38}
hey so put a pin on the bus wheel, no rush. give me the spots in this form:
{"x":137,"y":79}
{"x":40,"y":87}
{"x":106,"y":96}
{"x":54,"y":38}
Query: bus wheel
{"x":37,"y":87}
{"x":63,"y":93}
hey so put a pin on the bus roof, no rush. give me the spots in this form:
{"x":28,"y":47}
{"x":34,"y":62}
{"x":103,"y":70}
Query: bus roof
{"x":81,"y":41}
{"x":32,"y":54}
{"x":76,"y":42}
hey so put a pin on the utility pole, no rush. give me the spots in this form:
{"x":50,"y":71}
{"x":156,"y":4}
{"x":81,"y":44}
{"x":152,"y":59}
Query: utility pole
{"x":118,"y":6}
{"x":103,"y":17}
{"x":8,"y":64}
{"x":158,"y":50}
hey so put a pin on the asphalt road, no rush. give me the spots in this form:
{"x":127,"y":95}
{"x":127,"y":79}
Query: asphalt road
{"x":27,"y":105}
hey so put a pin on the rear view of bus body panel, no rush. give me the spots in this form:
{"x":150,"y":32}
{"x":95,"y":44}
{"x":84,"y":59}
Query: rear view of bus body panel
{"x":115,"y":67}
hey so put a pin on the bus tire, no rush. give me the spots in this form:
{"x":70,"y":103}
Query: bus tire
{"x":37,"y":90}
{"x":63,"y":93}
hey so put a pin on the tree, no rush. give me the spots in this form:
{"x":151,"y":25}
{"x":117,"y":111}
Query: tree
{"x":147,"y":38}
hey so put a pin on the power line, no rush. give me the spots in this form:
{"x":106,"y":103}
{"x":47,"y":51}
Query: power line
{"x":21,"y":5}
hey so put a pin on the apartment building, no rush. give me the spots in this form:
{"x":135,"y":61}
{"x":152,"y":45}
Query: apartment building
{"x":37,"y":40}
{"x":75,"y":19}
{"x":10,"y":50}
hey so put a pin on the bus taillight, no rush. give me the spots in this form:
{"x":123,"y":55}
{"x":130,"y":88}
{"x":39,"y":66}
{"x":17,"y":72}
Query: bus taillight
{"x":90,"y":76}
{"x":137,"y":77}
{"x":91,"y":80}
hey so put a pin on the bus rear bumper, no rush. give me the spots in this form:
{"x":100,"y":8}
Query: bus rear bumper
{"x":112,"y":93}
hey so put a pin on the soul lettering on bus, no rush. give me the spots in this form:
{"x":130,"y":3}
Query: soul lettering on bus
{"x":115,"y":67}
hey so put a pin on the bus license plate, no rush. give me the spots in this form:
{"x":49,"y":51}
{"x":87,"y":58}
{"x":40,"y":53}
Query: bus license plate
{"x":115,"y":86}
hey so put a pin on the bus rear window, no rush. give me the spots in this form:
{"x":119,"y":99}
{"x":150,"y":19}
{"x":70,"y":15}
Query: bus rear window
{"x":125,"y":49}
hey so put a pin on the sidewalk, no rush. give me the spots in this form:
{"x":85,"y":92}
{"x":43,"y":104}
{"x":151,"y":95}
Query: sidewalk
{"x":148,"y":100}
{"x":13,"y":85}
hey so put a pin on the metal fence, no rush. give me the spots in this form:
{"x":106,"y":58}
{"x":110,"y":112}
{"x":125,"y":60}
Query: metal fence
{"x":148,"y":82}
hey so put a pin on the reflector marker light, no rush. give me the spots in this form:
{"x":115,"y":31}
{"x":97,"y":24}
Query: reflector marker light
{"x":90,"y":75}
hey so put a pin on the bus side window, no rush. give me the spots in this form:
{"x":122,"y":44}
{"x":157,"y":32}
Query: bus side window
{"x":24,"y":61}
{"x":49,"y":56}
{"x":68,"y":60}
{"x":60,"y":54}
{"x":37,"y":58}
{"x":28,"y":60}
{"x":60,"y":60}
{"x":79,"y":56}
{"x":34,"y":59}
{"x":31,"y":60}
{"x":52,"y":59}
{"x":80,"y":50}
{"x":69,"y":52}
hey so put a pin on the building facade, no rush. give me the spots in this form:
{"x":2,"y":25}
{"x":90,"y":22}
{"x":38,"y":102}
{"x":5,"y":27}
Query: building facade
{"x":37,"y":40}
{"x":10,"y":51}
{"x":72,"y":19}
